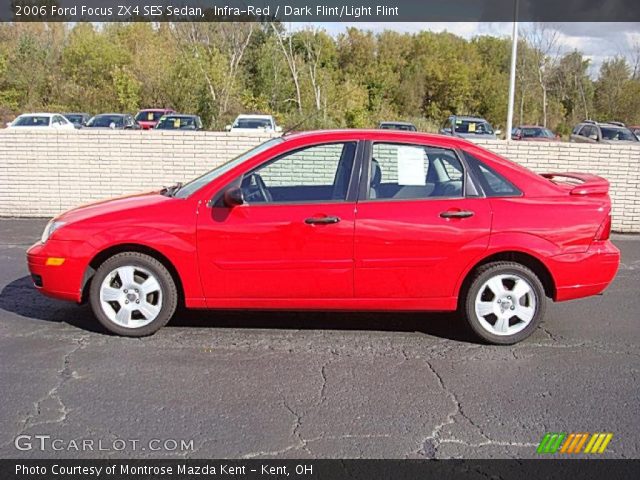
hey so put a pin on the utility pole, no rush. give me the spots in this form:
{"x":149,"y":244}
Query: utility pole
{"x":512,"y":78}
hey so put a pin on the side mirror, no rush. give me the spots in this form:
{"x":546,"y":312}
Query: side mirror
{"x":8,"y":124}
{"x":498,"y":132}
{"x":112,"y":125}
{"x":233,"y":197}
{"x":516,"y":137}
{"x":593,"y":137}
{"x":446,"y":130}
{"x":278,"y":129}
{"x":228,"y":128}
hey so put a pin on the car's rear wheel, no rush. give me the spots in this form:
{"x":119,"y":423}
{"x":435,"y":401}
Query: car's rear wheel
{"x":133,"y":294}
{"x":504,"y":302}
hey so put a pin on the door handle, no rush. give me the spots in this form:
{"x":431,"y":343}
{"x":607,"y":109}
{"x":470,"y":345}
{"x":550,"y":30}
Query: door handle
{"x":321,"y":220}
{"x":456,"y":214}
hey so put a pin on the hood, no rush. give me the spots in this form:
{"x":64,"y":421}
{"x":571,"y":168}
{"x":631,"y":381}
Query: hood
{"x":618,"y":142}
{"x":114,"y":205}
{"x":475,"y":135}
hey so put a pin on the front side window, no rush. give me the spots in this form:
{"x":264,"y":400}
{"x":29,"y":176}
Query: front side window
{"x":405,"y":172}
{"x":208,"y":177}
{"x":621,"y":134}
{"x":313,"y":174}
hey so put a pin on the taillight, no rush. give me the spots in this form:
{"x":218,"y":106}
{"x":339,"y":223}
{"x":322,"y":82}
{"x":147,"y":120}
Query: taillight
{"x":604,"y":230}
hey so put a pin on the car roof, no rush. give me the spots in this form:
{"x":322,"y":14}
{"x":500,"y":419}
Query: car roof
{"x":248,"y":115}
{"x":393,"y":122}
{"x":155,"y":110}
{"x":112,"y":114}
{"x":76,"y":113}
{"x":39,"y":114}
{"x":467,"y":117}
{"x":530,"y":126}
{"x":182,"y":115}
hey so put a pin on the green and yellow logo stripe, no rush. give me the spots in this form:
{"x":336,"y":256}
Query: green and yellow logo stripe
{"x":574,"y":443}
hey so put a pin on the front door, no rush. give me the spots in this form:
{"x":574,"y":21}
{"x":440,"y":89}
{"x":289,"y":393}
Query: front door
{"x":293,"y":236}
{"x":416,"y":228}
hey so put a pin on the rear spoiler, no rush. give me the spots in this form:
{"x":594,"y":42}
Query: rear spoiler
{"x":585,"y":183}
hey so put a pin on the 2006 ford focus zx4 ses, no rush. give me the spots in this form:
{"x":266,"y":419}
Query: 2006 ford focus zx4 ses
{"x":340,"y":220}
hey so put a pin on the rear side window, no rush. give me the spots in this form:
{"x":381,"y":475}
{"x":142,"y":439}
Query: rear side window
{"x":412,"y":172}
{"x":493,"y":184}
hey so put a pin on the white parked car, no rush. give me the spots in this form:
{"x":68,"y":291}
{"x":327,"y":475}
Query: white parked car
{"x":42,"y":121}
{"x":254,"y":123}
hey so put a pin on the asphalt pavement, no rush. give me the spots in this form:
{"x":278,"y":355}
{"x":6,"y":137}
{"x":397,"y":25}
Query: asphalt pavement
{"x":320,"y":385}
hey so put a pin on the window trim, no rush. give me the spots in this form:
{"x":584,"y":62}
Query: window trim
{"x":365,"y":180}
{"x":350,"y":197}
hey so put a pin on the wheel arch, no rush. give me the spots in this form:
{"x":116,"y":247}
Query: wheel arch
{"x":528,"y":260}
{"x":112,"y":250}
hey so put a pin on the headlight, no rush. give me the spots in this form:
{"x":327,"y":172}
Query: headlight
{"x":51,"y":227}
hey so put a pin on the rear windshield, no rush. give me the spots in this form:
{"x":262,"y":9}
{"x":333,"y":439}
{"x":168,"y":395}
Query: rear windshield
{"x":32,"y":121}
{"x":537,"y":133}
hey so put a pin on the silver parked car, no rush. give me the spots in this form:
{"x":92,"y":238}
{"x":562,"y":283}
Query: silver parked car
{"x":590,"y":131}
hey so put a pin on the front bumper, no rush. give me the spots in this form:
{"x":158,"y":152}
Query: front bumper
{"x":63,"y":281}
{"x":584,"y":274}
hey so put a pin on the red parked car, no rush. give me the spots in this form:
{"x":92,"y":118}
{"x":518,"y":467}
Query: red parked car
{"x":150,"y":117}
{"x":340,"y":220}
{"x":534,"y":133}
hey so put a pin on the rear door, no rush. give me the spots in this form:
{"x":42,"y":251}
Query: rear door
{"x":419,"y":223}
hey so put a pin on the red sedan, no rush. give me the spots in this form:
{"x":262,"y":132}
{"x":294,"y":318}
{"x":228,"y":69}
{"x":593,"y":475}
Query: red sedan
{"x":340,"y":220}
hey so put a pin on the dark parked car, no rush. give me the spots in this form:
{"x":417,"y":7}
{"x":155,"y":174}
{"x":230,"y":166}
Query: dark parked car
{"x":468,"y":127}
{"x":405,"y":126}
{"x":79,"y":120}
{"x":590,"y":131}
{"x":179,"y":122}
{"x":116,"y":121}
{"x":534,"y":133}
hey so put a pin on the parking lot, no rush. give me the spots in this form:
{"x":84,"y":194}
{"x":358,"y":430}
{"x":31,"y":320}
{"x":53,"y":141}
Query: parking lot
{"x":321,"y":385}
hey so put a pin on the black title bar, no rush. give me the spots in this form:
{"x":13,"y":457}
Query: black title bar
{"x":320,"y":10}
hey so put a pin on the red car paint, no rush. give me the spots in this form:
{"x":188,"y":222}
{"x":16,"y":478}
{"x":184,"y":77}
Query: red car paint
{"x":382,"y":255}
{"x":142,"y":117}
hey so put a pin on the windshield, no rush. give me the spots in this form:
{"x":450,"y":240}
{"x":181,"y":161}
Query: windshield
{"x":252,"y":123}
{"x":537,"y":133}
{"x":148,"y":116}
{"x":106,"y":121}
{"x":398,"y":126}
{"x":177,"y":123}
{"x":74,"y":118}
{"x":475,"y":127}
{"x":618,"y":134}
{"x":31,"y":121}
{"x":199,"y":182}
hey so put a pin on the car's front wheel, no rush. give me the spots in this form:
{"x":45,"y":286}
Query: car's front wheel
{"x":133,"y":294}
{"x":504,"y":302}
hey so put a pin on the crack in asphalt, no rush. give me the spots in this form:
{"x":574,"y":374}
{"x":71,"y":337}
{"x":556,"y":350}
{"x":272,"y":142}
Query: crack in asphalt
{"x":64,"y":374}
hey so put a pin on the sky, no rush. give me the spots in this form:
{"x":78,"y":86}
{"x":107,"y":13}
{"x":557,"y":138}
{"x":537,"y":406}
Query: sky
{"x":597,"y":41}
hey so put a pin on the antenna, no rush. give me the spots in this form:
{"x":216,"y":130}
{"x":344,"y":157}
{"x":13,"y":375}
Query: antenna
{"x":316,"y":112}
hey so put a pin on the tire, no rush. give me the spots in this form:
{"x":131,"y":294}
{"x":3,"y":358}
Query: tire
{"x":133,"y":294}
{"x":504,"y":303}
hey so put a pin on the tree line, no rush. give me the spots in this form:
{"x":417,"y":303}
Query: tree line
{"x":354,"y":79}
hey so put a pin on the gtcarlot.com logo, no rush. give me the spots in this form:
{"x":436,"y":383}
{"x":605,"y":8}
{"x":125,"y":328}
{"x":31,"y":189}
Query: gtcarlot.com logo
{"x":574,"y":443}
